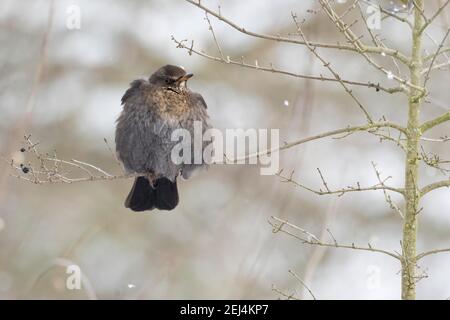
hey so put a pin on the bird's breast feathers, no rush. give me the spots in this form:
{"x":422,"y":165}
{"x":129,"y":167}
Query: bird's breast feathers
{"x":170,"y":104}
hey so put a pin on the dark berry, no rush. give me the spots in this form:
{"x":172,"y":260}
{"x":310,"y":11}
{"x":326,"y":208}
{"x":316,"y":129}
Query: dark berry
{"x":22,"y":150}
{"x":25,"y":170}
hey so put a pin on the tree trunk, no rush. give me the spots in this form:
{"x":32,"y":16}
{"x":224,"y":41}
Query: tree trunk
{"x":412,"y":193}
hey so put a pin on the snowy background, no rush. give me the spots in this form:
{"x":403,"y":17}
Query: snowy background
{"x":217,"y":243}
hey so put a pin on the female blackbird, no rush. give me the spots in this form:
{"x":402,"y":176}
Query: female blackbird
{"x":152,"y":110}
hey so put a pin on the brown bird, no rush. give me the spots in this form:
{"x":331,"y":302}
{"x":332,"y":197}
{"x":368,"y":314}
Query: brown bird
{"x":152,"y":110}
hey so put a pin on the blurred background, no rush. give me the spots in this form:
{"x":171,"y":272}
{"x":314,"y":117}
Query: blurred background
{"x":217,"y":243}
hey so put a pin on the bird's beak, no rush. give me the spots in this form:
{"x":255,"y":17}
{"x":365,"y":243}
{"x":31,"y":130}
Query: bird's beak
{"x":186,"y":77}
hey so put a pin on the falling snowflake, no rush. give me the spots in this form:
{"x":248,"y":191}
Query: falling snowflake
{"x":383,"y":54}
{"x":390,"y":75}
{"x":286,"y":103}
{"x":131,"y":286}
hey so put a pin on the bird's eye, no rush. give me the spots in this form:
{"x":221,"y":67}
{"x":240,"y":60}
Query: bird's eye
{"x":168,"y":81}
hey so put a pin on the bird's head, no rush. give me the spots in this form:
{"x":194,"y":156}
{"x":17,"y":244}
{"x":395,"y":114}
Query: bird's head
{"x":170,"y":76}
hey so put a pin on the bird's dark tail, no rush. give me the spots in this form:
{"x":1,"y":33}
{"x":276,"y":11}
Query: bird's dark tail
{"x":163,"y":195}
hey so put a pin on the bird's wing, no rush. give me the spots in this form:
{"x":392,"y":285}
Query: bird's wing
{"x":198,"y":99}
{"x":199,"y":106}
{"x":135,"y":85}
{"x":143,"y":137}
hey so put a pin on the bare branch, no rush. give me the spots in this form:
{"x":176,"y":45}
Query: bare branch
{"x":442,"y":139}
{"x":214,"y":36}
{"x":287,"y":296}
{"x":436,"y":14}
{"x":431,"y":56}
{"x":390,"y":52}
{"x":360,"y":47}
{"x":340,"y":192}
{"x":441,"y":45}
{"x":435,"y":122}
{"x":434,"y":186}
{"x":345,"y":130}
{"x":318,"y":252}
{"x":308,"y":238}
{"x":396,"y":16}
{"x":227,"y":60}
{"x":387,"y":197}
{"x":303,"y":284}
{"x":427,"y":253}
{"x":50,"y":169}
{"x":375,"y":39}
{"x":328,"y":66}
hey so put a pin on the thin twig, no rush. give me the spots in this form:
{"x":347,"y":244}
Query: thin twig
{"x":278,"y":225}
